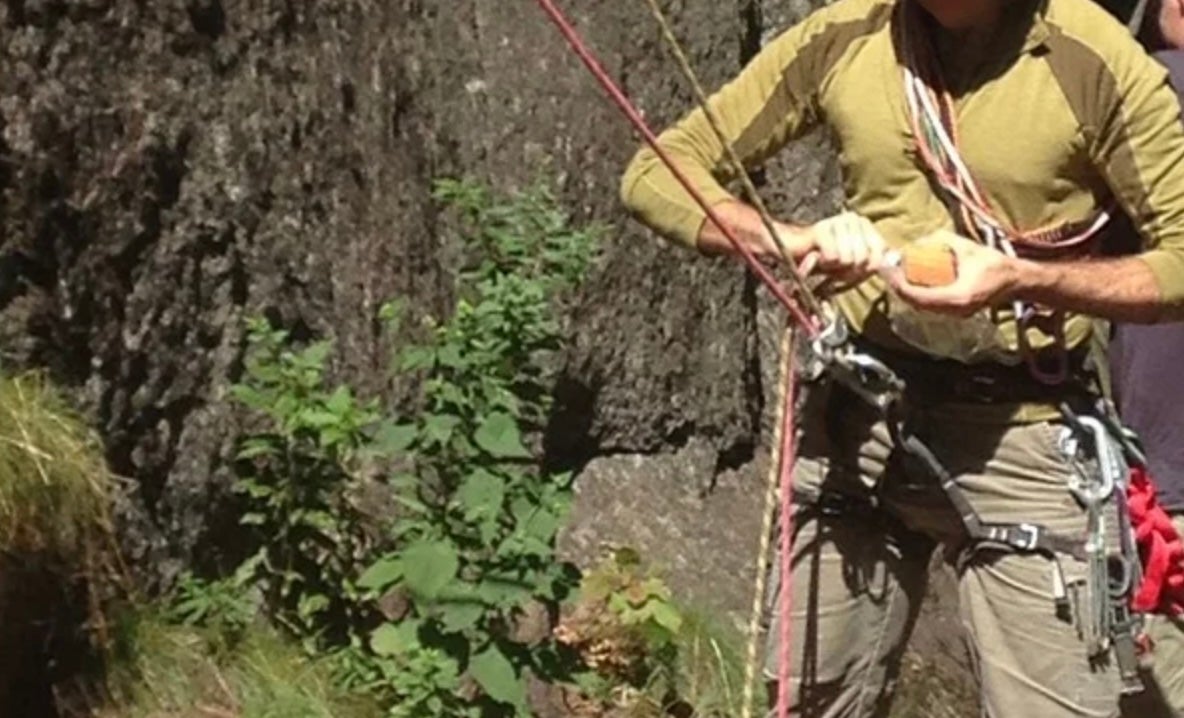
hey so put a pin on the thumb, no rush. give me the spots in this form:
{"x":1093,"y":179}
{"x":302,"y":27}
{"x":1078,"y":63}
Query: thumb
{"x":808,"y":264}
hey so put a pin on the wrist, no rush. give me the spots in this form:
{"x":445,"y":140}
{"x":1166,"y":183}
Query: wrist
{"x":1029,"y":280}
{"x":796,"y":241}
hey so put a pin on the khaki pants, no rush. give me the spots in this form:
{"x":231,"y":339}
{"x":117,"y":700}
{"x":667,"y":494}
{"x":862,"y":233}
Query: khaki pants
{"x":859,"y":576}
{"x":1164,"y":675}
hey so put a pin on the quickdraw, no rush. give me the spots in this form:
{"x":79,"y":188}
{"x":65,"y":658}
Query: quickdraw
{"x":1102,"y":600}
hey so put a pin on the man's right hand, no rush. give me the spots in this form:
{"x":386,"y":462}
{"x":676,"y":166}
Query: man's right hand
{"x":846,"y":247}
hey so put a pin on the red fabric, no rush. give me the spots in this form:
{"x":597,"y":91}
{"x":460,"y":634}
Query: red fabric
{"x":1160,"y":548}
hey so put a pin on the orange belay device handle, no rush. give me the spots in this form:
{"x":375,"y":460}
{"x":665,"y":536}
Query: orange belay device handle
{"x":929,"y":265}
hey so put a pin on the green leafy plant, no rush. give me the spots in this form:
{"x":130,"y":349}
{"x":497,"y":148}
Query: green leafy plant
{"x":428,"y":605}
{"x":627,"y":632}
{"x":298,"y":477}
{"x":475,"y":548}
{"x":222,"y":606}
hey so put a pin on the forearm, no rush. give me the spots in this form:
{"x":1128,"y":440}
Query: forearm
{"x":1123,"y":290}
{"x":747,"y":226}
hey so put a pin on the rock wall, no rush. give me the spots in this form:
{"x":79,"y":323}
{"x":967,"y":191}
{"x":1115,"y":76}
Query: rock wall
{"x":169,"y":168}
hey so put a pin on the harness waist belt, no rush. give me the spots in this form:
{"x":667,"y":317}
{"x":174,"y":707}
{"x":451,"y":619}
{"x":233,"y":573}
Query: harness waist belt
{"x":930,"y":380}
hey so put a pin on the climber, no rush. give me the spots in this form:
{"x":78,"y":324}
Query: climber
{"x":1145,"y":379}
{"x":1004,"y":130}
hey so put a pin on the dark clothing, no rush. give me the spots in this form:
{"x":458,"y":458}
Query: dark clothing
{"x":1148,"y":377}
{"x":1174,"y":59}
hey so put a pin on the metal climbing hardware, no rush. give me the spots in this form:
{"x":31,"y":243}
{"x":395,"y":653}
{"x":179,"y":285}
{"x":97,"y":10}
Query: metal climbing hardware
{"x":832,"y":353}
{"x":1102,"y":599}
{"x":801,"y":304}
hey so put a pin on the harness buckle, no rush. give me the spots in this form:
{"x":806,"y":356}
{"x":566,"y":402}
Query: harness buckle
{"x":1029,"y":537}
{"x":1018,"y":537}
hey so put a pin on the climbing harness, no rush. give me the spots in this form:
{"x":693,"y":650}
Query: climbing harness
{"x":1094,"y":443}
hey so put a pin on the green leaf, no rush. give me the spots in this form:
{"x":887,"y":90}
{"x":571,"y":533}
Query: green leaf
{"x":499,"y":436}
{"x":450,"y":356}
{"x":382,"y":573}
{"x":392,"y":312}
{"x":319,"y":418}
{"x":665,"y":616}
{"x":488,"y":530}
{"x":411,"y":504}
{"x":438,"y":428}
{"x":497,"y":677}
{"x":460,"y":616}
{"x":655,"y":588}
{"x":341,"y":401}
{"x":415,"y":358}
{"x":504,"y":590}
{"x":391,"y":639}
{"x":250,"y":397}
{"x":312,"y":604}
{"x":315,"y":355}
{"x":393,"y":438}
{"x":255,"y":449}
{"x":542,"y":526}
{"x":254,"y":489}
{"x":481,"y":494}
{"x":252,"y":519}
{"x":429,"y":566}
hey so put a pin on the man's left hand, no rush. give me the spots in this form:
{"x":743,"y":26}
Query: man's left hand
{"x":985,"y":277}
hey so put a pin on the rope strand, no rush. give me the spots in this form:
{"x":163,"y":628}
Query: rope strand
{"x":736,"y":165}
{"x":580,"y":48}
{"x":775,"y":487}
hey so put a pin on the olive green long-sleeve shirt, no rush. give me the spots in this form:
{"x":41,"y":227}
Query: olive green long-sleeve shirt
{"x":1066,"y":115}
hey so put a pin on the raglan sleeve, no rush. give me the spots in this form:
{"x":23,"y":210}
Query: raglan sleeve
{"x":1139,"y":148}
{"x":773,"y":101}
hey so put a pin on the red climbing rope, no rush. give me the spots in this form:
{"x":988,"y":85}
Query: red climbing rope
{"x":809,"y":327}
{"x":623,"y":103}
{"x":785,"y":565}
{"x":1160,"y":549}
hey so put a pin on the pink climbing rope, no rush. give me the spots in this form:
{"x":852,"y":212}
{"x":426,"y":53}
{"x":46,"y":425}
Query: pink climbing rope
{"x":785,"y":567}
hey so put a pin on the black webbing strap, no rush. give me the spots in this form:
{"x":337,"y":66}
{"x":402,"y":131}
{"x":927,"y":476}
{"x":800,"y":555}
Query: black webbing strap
{"x":1023,"y":537}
